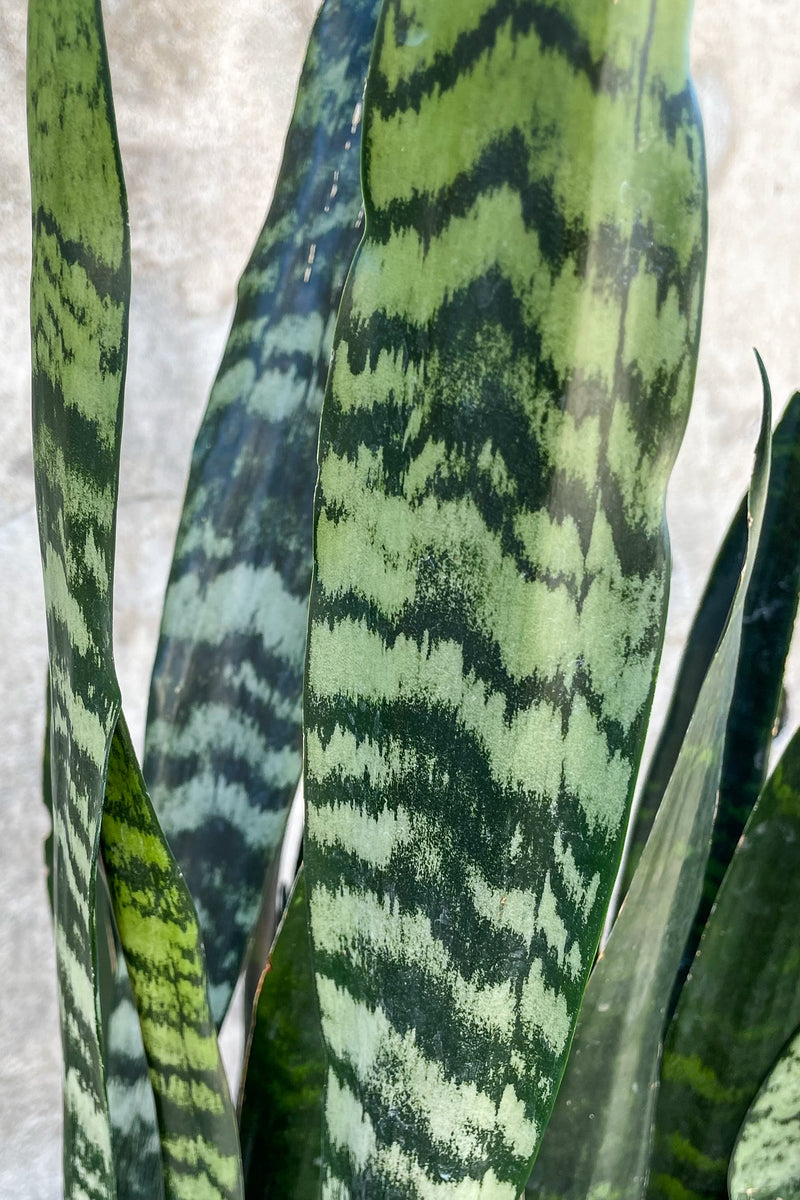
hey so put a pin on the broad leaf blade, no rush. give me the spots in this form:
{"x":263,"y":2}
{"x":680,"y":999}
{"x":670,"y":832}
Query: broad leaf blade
{"x":511,"y":376}
{"x":766,"y":1160}
{"x":741,"y":1001}
{"x":223,"y":747}
{"x":80,"y":290}
{"x":598,"y":1140}
{"x":281,"y":1110}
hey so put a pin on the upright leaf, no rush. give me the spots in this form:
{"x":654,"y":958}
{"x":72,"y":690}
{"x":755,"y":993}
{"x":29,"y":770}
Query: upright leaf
{"x":769,"y":612}
{"x":741,"y":1001}
{"x":511,"y":378}
{"x":80,"y":287}
{"x":598,"y":1141}
{"x":766,"y":1160}
{"x":223,"y":747}
{"x":281,"y":1109}
{"x":79,"y":308}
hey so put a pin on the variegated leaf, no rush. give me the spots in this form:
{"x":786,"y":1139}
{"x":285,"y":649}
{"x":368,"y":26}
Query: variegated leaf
{"x":223,"y":746}
{"x":80,"y":289}
{"x":740,"y":1003}
{"x":281,"y":1101}
{"x":597,"y":1145}
{"x":511,"y":377}
{"x":766,"y":1160}
{"x":79,"y":308}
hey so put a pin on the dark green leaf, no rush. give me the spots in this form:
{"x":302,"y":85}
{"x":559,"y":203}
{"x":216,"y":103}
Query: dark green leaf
{"x":281,"y":1110}
{"x":223,"y":747}
{"x":511,"y":377}
{"x":741,"y":1001}
{"x":598,"y":1140}
{"x":766,"y":1160}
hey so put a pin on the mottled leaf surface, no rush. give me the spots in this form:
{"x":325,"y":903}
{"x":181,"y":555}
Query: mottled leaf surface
{"x":511,"y":378}
{"x":766,"y":1160}
{"x":223,"y":747}
{"x":281,"y":1107}
{"x":597,"y":1145}
{"x":79,"y":309}
{"x":80,"y":289}
{"x":158,"y":931}
{"x":740,"y":1003}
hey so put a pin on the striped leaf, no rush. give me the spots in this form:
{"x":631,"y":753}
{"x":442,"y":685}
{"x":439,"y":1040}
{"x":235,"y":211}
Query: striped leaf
{"x":223,"y":747}
{"x":511,"y":377}
{"x":740,"y":1003}
{"x":598,"y":1141}
{"x":79,"y":314}
{"x":79,"y":309}
{"x":766,"y":1161}
{"x":769,"y":614}
{"x":158,"y":931}
{"x":281,"y":1108}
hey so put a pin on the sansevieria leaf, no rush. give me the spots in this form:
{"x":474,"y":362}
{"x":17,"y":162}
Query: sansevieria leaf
{"x":281,"y":1103}
{"x":597,"y":1145}
{"x":223,"y":746}
{"x":511,"y":377}
{"x":766,"y":1160}
{"x":80,"y":290}
{"x":741,"y":1001}
{"x":79,"y":307}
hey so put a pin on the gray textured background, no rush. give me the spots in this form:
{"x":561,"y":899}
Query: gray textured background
{"x":203,"y":95}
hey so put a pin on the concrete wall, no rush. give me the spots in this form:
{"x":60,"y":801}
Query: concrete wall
{"x":203,"y":95}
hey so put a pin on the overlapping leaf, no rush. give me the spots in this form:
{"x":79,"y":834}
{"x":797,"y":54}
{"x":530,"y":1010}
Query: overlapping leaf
{"x":766,"y":1160}
{"x":598,"y":1141}
{"x":223,"y":747}
{"x":741,"y":1001}
{"x":511,"y":376}
{"x":281,"y":1109}
{"x":79,"y":308}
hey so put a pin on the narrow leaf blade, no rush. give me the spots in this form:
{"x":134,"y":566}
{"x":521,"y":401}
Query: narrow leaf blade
{"x":281,"y":1110}
{"x":223,"y":745}
{"x":741,"y":1001}
{"x":598,"y":1140}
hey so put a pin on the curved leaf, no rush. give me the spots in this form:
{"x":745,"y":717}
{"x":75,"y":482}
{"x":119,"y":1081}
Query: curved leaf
{"x":741,"y":1001}
{"x":598,"y":1140}
{"x":223,"y":745}
{"x":766,"y":1160}
{"x":158,"y":931}
{"x":511,"y":376}
{"x":79,"y":309}
{"x":769,"y":614}
{"x":80,"y":288}
{"x":281,"y":1109}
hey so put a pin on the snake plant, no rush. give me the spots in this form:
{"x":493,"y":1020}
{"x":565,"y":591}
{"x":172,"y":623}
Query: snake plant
{"x":471,"y":323}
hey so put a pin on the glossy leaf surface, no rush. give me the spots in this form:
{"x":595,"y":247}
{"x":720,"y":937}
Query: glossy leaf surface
{"x":223,"y":746}
{"x":80,"y":288}
{"x":598,"y":1140}
{"x":281,"y":1109}
{"x":741,"y":1001}
{"x":766,"y":1160}
{"x":511,"y":377}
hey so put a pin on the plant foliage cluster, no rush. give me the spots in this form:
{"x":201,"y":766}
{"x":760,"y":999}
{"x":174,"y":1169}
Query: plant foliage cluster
{"x":471,"y":320}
